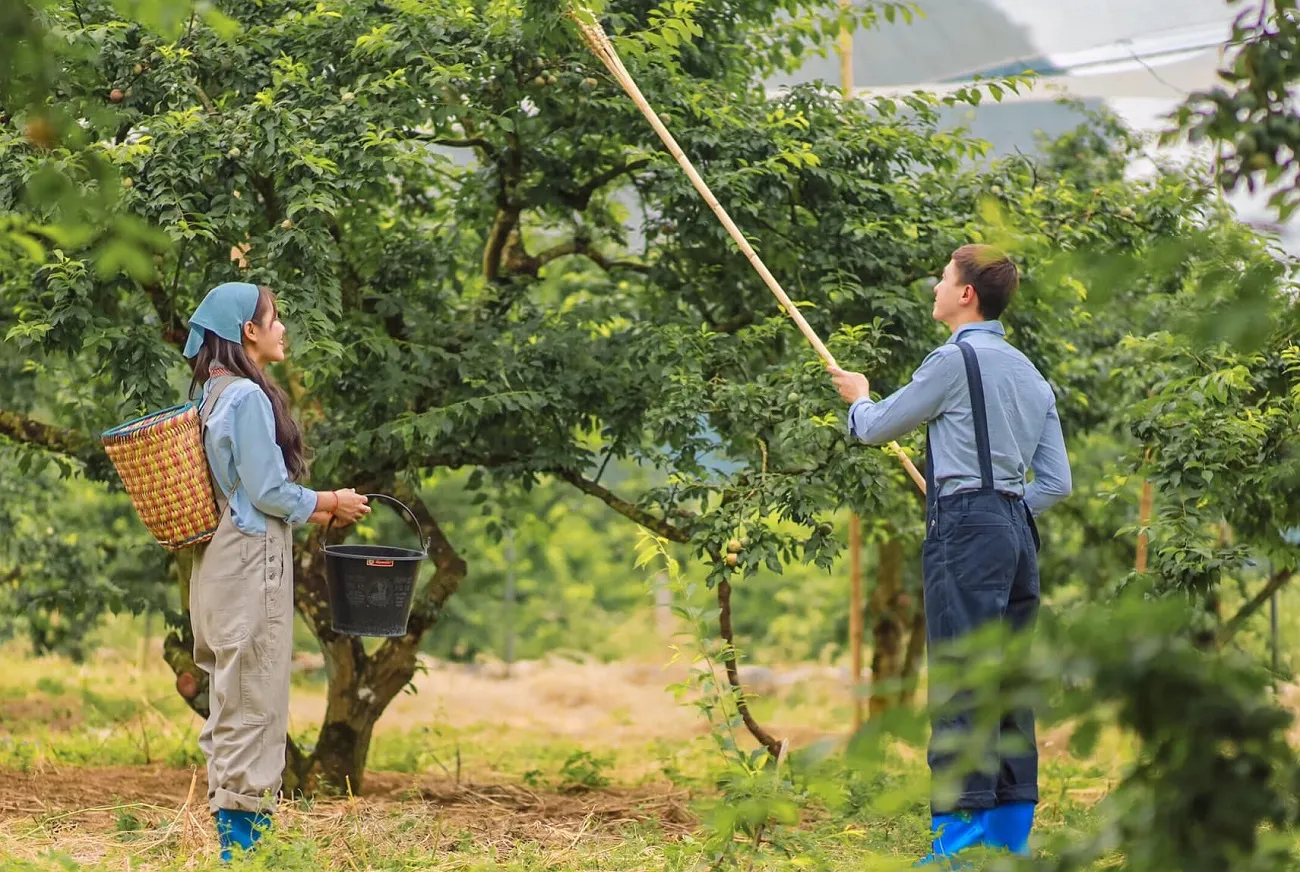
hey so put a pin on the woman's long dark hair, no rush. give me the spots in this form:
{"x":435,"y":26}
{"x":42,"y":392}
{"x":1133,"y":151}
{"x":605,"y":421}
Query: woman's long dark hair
{"x":233,"y":357}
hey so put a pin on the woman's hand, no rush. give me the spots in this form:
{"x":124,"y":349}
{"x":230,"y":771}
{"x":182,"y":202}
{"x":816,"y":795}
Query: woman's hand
{"x":352,"y":506}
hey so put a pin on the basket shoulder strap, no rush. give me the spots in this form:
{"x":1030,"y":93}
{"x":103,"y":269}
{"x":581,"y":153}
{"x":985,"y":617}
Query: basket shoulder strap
{"x":216,"y":388}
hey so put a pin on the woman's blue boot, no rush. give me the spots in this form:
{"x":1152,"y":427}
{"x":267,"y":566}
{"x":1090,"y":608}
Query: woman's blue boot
{"x":239,"y":829}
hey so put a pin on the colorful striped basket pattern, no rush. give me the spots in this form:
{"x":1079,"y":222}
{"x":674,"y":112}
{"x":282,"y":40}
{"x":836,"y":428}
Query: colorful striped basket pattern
{"x":161,"y":461}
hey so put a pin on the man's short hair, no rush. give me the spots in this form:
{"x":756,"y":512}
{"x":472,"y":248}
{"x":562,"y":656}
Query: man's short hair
{"x":991,"y":273}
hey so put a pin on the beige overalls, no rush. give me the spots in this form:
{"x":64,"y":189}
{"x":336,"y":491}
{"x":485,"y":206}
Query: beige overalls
{"x":241,"y":611}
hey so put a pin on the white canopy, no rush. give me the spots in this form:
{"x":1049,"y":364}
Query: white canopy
{"x":1140,"y":58}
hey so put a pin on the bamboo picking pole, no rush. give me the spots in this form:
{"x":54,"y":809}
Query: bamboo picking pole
{"x":594,"y":36}
{"x":845,"y":49}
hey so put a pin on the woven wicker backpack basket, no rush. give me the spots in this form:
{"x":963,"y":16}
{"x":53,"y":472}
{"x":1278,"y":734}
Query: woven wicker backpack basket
{"x":164,"y":468}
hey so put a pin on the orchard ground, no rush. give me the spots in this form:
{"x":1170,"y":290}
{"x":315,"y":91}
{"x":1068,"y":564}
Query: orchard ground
{"x":561,"y":764}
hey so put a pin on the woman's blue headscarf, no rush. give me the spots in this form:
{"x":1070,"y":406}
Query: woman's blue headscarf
{"x":224,"y":311}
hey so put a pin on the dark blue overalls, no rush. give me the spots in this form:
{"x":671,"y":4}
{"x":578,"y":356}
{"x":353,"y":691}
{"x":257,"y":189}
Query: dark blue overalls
{"x":980,"y":564}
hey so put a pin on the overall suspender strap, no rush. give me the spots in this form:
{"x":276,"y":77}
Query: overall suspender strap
{"x":975,"y":384}
{"x":931,"y":491}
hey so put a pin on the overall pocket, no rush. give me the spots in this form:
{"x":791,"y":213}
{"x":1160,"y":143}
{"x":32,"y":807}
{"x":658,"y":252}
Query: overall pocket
{"x":278,"y":578}
{"x":980,"y":547}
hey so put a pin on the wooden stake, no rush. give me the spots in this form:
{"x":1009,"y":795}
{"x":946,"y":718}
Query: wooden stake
{"x":1144,"y":519}
{"x":845,"y":49}
{"x":855,"y":615}
{"x":594,"y":36}
{"x":1145,"y":505}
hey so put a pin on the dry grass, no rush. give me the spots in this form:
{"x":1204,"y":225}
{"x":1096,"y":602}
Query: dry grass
{"x":157,"y":815}
{"x":122,"y":707}
{"x":479,"y":750}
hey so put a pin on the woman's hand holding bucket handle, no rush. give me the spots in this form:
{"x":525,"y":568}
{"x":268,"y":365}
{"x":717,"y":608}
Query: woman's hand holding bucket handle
{"x":352,"y":506}
{"x":344,"y":507}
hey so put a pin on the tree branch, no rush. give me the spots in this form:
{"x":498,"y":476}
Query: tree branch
{"x":29,"y":431}
{"x":581,"y":198}
{"x":1279,"y":579}
{"x":520,"y":262}
{"x":270,"y":202}
{"x":504,"y":224}
{"x":203,"y":96}
{"x":677,"y":534}
{"x":656,"y":525}
{"x":733,"y":324}
{"x":352,"y":282}
{"x":508,"y":209}
{"x":915,"y":651}
{"x":450,"y":569}
{"x":769,"y":742}
{"x":173,"y":333}
{"x":478,"y":142}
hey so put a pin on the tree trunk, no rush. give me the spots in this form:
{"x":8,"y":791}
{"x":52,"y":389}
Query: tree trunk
{"x":915,"y":655}
{"x":888,"y":629}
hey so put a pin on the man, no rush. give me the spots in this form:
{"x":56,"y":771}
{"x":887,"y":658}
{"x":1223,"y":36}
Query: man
{"x":990,"y":417}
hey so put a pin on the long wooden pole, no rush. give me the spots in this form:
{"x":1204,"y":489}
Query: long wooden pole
{"x":594,"y":36}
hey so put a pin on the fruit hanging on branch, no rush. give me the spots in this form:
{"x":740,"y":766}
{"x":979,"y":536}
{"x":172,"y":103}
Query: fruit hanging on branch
{"x":40,"y":133}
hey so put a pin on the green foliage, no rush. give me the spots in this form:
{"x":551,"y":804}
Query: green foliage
{"x":583,"y":771}
{"x":490,"y":267}
{"x":1252,"y":119}
{"x":459,"y":274}
{"x":72,"y":551}
{"x":572,"y":566}
{"x":1220,"y":796}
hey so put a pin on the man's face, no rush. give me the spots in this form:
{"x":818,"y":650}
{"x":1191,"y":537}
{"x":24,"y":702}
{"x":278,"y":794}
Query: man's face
{"x":951,"y":296}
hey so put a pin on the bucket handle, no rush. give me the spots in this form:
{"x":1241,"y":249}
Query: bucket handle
{"x":424,"y":543}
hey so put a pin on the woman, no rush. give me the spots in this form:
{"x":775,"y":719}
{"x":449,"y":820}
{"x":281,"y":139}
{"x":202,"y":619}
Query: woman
{"x":241,"y":589}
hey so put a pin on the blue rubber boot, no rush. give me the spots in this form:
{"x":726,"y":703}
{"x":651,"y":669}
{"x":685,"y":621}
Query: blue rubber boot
{"x":1008,"y":826}
{"x":953,"y":833}
{"x":239,"y":829}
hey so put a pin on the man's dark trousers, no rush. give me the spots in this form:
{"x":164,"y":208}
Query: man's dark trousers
{"x":980,"y":565}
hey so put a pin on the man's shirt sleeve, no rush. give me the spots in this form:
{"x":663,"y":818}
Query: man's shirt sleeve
{"x":921,"y":400}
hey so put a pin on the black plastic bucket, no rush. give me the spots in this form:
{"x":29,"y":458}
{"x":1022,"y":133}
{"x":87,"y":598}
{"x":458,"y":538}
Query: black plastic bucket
{"x":371,"y":586}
